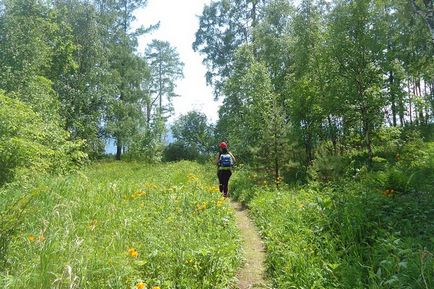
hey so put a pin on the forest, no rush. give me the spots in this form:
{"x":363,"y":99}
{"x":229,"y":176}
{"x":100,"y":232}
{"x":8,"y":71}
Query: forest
{"x":328,"y":106}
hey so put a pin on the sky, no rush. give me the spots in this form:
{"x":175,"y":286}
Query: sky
{"x":178,"y":24}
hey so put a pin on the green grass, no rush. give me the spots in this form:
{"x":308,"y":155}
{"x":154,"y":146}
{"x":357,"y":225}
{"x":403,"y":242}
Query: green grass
{"x":373,"y":231}
{"x":85,"y":230}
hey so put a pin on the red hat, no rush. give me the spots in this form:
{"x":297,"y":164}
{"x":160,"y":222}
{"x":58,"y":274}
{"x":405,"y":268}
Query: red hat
{"x":223,"y":145}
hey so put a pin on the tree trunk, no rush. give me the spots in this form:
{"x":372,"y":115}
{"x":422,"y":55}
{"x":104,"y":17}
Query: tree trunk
{"x":148,"y":114}
{"x":392,"y":97}
{"x":276,"y":161}
{"x":410,"y":102}
{"x":308,"y":146}
{"x":368,"y":139}
{"x":432,"y":98}
{"x":333,"y":137}
{"x":118,"y":152}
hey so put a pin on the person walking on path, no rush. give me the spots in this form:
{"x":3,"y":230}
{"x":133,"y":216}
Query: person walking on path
{"x":225,"y":161}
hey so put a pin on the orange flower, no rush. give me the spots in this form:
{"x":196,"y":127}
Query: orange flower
{"x":31,"y":238}
{"x":140,"y":285}
{"x":388,"y":192}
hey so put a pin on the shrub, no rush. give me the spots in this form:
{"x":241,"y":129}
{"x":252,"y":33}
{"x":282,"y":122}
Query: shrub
{"x":177,"y":151}
{"x":28,"y":144}
{"x":327,"y":165}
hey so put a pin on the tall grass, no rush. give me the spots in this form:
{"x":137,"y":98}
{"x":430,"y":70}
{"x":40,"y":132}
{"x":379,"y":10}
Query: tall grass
{"x":118,"y":225}
{"x":372,"y":231}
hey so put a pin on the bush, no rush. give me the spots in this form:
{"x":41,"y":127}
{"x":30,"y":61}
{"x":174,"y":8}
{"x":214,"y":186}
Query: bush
{"x":177,"y":151}
{"x":28,"y":144}
{"x":145,"y":146}
{"x":328,"y":166}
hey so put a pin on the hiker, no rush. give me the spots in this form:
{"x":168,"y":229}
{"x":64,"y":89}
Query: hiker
{"x":225,"y":161}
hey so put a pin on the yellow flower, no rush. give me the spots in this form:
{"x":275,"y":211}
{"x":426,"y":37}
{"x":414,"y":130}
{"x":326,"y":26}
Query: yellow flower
{"x":220,"y":202}
{"x":137,"y":195}
{"x":156,"y":287}
{"x":31,"y":238}
{"x":133,"y":252}
{"x":201,"y":206}
{"x":41,"y":238}
{"x":140,"y":285}
{"x":191,"y":177}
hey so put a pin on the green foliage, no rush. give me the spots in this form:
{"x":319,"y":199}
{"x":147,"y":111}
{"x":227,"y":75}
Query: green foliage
{"x":119,"y":224}
{"x":193,"y":131}
{"x":178,"y":151}
{"x":328,"y":166}
{"x":166,"y":68}
{"x":373,"y":230}
{"x":335,"y":71}
{"x":224,"y":26}
{"x":28,"y":143}
{"x":145,"y":146}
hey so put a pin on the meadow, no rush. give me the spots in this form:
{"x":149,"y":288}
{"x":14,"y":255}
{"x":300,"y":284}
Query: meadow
{"x":373,"y":230}
{"x":120,"y":225}
{"x":156,"y":226}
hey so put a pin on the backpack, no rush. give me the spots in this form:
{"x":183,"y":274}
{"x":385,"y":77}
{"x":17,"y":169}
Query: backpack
{"x":226,"y":161}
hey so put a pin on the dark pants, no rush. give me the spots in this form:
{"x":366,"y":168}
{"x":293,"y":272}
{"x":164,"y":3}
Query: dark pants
{"x":224,"y":176}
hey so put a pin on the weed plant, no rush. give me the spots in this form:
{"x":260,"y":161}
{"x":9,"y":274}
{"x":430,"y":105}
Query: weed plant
{"x":373,"y":230}
{"x":123,"y":225}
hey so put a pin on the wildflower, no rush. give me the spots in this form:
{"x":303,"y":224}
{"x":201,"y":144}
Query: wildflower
{"x":220,"y":202}
{"x":156,"y":287}
{"x":140,"y":285}
{"x":133,"y":252}
{"x":388,"y":192}
{"x":191,"y":177}
{"x":137,"y":195}
{"x":41,"y":238}
{"x":201,"y":206}
{"x":31,"y":238}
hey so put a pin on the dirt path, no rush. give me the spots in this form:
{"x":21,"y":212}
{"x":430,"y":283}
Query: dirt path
{"x":251,"y":275}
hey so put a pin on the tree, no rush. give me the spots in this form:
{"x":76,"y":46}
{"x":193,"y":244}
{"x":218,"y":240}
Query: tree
{"x":425,"y":9}
{"x":224,"y":26}
{"x":165,"y":69}
{"x":357,"y":48}
{"x":84,"y":87}
{"x":30,"y":41}
{"x":192,"y":130}
{"x":128,"y":71}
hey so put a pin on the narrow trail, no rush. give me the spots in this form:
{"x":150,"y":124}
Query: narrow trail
{"x":252,"y":274}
